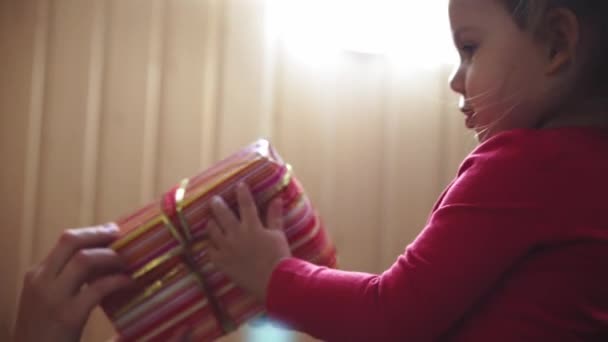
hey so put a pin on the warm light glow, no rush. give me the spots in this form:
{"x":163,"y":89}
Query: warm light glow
{"x":267,"y":331}
{"x":408,"y":31}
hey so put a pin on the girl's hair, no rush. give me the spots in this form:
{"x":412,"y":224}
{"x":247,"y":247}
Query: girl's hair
{"x":593,"y":18}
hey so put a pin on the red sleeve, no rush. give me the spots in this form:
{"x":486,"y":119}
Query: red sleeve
{"x":487,"y":221}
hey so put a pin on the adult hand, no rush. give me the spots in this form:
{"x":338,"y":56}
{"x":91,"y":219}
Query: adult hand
{"x":59,"y":294}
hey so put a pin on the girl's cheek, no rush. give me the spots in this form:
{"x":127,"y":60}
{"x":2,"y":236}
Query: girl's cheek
{"x":472,"y":84}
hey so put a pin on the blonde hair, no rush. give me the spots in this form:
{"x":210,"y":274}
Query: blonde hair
{"x":593,"y":18}
{"x":530,"y":13}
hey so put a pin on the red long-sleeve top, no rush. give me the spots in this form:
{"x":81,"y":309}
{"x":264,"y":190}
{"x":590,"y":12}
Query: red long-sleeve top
{"x":516,"y":249}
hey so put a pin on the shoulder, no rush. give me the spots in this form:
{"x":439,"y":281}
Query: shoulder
{"x":511,"y":150}
{"x":531,"y":167}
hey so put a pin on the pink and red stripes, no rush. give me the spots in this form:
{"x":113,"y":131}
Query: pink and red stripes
{"x":167,"y":294}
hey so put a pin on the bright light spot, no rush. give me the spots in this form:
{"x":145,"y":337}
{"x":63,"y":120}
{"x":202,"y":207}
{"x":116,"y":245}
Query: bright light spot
{"x":410,"y":31}
{"x":267,"y":331}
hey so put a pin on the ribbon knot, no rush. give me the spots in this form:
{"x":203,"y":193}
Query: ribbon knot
{"x":184,"y":237}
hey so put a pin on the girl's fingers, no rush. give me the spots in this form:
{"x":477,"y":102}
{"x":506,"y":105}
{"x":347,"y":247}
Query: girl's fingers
{"x":223,"y":215}
{"x":73,"y":240}
{"x":215,"y":234}
{"x":247,"y":207}
{"x":274,"y":216}
{"x":85,"y":265}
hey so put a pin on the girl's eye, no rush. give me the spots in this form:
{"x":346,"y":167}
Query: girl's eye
{"x":468,"y":50}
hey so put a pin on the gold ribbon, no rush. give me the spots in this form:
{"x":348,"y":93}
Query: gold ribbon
{"x":187,"y":244}
{"x":226,"y":323}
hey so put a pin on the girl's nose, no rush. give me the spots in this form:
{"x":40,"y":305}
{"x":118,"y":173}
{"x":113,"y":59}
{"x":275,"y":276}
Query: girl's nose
{"x":457,"y":80}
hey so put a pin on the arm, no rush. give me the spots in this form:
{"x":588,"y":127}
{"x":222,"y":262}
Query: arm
{"x":488,"y":220}
{"x":459,"y":256}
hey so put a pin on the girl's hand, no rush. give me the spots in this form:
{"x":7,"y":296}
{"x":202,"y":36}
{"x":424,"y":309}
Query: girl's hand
{"x":246,"y":250}
{"x":59,"y":293}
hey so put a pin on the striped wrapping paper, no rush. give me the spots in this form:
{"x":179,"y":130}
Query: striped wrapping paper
{"x":165,"y":246}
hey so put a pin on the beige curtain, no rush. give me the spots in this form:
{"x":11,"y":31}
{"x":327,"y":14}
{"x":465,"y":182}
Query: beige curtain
{"x":105,"y":104}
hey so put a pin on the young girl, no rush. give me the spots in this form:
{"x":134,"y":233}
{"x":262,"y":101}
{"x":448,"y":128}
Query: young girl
{"x":515,"y":249}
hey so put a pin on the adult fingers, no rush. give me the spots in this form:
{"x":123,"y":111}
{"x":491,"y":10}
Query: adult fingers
{"x":87,"y":264}
{"x":90,"y":296}
{"x":73,"y":240}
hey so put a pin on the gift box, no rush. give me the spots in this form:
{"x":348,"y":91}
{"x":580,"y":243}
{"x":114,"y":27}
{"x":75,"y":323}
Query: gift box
{"x":165,"y":247}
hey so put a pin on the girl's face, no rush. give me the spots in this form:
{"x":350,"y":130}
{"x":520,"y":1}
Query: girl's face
{"x":501,"y":76}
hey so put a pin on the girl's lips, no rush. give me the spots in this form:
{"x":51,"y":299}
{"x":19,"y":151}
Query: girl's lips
{"x":470,"y":117}
{"x":469,"y":121}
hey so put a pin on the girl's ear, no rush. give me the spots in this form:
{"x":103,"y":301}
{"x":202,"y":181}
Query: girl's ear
{"x":561,"y":33}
